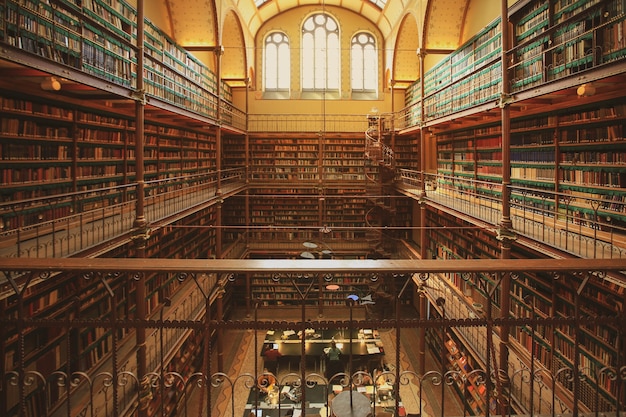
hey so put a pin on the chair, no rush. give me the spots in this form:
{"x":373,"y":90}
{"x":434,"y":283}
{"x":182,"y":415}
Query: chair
{"x":271,"y":366}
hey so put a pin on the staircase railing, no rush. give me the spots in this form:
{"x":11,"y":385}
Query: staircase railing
{"x":375,"y":149}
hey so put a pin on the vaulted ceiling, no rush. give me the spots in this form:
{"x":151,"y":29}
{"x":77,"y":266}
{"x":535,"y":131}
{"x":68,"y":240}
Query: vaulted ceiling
{"x":441,"y":21}
{"x":406,"y":26}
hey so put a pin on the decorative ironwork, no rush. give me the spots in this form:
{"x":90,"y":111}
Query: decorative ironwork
{"x":120,"y":389}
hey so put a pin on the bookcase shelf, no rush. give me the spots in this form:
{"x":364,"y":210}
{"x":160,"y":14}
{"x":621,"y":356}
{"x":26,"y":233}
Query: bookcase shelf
{"x":468,"y":383}
{"x":468,"y":77}
{"x":546,"y":296}
{"x":54,"y":148}
{"x":554,"y":39}
{"x":99,"y":37}
{"x":576,"y":151}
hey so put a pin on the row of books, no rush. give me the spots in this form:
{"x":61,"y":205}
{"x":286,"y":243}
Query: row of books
{"x":58,"y":33}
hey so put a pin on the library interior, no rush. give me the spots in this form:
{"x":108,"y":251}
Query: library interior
{"x":328,"y":208}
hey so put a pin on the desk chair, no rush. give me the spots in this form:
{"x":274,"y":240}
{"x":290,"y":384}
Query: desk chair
{"x":271,"y":366}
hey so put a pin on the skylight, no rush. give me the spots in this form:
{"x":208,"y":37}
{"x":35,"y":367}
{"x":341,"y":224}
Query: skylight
{"x":379,"y":3}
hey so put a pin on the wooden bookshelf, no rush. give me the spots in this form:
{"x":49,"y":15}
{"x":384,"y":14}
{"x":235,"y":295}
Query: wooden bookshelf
{"x":467,"y":77}
{"x":57,"y":147}
{"x":554,"y":347}
{"x":561,"y":38}
{"x":575,"y":151}
{"x":99,"y":38}
{"x":467,"y":382}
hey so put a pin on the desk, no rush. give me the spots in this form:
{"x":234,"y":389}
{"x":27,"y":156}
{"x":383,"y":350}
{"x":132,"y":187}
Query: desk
{"x":315,"y":397}
{"x":385,"y":404}
{"x":366,"y":343}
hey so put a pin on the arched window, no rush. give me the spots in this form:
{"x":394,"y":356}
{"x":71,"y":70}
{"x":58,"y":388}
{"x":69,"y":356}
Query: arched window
{"x":321,"y":53}
{"x":364,"y":65}
{"x":277,"y":62}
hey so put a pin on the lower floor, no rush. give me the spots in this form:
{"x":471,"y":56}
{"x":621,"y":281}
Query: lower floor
{"x":239,"y":359}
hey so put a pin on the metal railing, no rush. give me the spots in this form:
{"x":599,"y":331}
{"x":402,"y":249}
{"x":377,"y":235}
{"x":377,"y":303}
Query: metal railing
{"x":583,"y":226}
{"x":113,"y":387}
{"x":111,"y":214}
{"x":318,"y":123}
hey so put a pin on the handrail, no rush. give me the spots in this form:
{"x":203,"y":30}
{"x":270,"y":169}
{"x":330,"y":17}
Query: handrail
{"x":580,"y":225}
{"x":111,"y":217}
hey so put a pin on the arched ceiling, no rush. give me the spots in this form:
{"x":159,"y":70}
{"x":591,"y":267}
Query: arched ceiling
{"x":192,"y":20}
{"x":406,"y":25}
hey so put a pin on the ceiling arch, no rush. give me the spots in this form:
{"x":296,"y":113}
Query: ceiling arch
{"x":405,"y":58}
{"x":234,"y":59}
{"x":435,"y":26}
{"x":192,"y":21}
{"x":443,"y":24}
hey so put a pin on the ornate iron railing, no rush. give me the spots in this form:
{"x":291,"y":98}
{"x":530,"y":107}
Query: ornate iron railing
{"x":112,"y":386}
{"x":583,"y":226}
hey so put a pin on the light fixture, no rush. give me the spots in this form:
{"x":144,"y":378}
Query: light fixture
{"x":50,"y":84}
{"x":586,"y":90}
{"x":311,"y":246}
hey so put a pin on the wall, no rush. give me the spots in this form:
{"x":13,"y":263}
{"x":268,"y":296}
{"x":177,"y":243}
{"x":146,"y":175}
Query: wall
{"x":290,"y":23}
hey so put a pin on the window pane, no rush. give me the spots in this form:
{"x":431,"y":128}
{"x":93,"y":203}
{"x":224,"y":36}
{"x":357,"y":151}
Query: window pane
{"x":364,"y":61}
{"x":277,"y":62}
{"x":321,"y":53}
{"x":284,"y":69}
{"x":270,"y":67}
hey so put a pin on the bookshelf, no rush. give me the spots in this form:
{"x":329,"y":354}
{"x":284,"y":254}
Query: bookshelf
{"x":52,"y":147}
{"x":468,"y":383}
{"x":342,"y":158}
{"x":467,"y":77}
{"x":99,"y":38}
{"x":465,"y":371}
{"x":554,"y":39}
{"x":554,"y":346}
{"x":286,"y":158}
{"x":576,"y":151}
{"x":234,"y":151}
{"x":406,"y":150}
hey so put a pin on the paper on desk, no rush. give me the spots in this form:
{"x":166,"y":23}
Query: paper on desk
{"x":288,"y":333}
{"x":372,"y":348}
{"x":297,"y":412}
{"x":270,"y":332}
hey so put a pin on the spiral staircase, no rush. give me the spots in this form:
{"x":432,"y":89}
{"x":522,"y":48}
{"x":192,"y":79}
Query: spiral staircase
{"x":379,"y":175}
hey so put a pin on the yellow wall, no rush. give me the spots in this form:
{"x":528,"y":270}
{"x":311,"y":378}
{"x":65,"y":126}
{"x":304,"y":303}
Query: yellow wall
{"x":290,"y":23}
{"x":479,"y":14}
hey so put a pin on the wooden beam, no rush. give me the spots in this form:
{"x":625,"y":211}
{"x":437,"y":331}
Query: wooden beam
{"x":306,"y":265}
